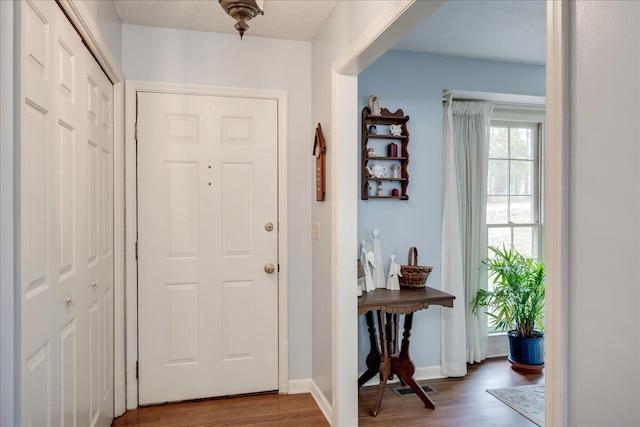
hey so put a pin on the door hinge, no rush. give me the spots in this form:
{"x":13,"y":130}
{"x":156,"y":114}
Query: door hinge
{"x":137,"y":370}
{"x":136,"y":250}
{"x":136,"y":132}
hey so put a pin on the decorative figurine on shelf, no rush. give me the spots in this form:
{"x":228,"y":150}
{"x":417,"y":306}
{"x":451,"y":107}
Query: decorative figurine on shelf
{"x":373,"y":129}
{"x":374,"y":106}
{"x":371,"y":152}
{"x":396,"y":130}
{"x":379,"y":189}
{"x":393,"y":284}
{"x":376,"y":171}
{"x":395,"y":170}
{"x":367,"y":258}
{"x":392,"y":150}
{"x":395,"y":192}
{"x":378,"y":271}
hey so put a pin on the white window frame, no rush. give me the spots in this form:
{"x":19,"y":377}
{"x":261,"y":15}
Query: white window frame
{"x":513,"y":115}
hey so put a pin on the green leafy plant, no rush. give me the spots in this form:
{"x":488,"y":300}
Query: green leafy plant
{"x":517,"y":299}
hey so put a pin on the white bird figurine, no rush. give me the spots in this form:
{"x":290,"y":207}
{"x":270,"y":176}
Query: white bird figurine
{"x":393,"y":284}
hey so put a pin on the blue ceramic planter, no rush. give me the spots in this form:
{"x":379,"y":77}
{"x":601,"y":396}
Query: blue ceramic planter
{"x":527,"y":351}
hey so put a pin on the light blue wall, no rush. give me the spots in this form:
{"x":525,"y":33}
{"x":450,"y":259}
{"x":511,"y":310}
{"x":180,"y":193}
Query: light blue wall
{"x":414,"y":82}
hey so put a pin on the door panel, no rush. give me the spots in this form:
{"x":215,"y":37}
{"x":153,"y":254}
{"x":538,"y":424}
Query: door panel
{"x":66,"y":233}
{"x":37,"y":383}
{"x":67,"y":201}
{"x":68,"y":373}
{"x":207,"y":185}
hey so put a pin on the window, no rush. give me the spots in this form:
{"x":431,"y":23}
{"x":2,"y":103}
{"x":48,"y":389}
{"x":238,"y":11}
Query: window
{"x":514,"y":184}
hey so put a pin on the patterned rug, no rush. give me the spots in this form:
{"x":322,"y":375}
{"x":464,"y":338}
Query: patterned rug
{"x":527,"y":400}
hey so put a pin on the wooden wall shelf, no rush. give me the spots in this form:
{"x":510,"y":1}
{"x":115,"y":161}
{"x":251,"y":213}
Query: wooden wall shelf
{"x":379,"y":141}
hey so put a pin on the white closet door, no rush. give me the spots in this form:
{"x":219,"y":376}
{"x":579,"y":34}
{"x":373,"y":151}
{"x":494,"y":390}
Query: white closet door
{"x":66,"y":229}
{"x":207,"y":188}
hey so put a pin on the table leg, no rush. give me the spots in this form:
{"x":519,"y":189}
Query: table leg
{"x":391,"y":328}
{"x":392,"y":333}
{"x":373,"y":358}
{"x":405,"y":368}
{"x":385,"y":365}
{"x":396,"y":324}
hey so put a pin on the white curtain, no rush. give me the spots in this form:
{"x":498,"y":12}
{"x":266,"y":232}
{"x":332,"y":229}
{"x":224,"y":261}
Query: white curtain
{"x":464,"y":236}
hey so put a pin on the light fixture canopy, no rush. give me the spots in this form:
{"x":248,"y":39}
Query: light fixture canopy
{"x":242,"y":11}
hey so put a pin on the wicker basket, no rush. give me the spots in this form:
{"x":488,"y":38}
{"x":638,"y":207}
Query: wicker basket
{"x":413,"y":275}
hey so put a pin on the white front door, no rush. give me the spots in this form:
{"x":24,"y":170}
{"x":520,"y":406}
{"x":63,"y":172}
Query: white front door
{"x":66,"y":231}
{"x":207,"y":190}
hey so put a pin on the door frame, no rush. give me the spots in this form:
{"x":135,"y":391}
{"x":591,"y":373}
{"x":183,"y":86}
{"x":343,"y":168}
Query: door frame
{"x":131,"y":273}
{"x":373,"y":43}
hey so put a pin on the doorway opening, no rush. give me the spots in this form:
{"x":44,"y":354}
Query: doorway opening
{"x":554,"y":206}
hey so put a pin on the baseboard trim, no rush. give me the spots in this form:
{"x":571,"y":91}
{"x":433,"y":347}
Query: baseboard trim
{"x":498,"y":345}
{"x":299,"y":386}
{"x":322,"y":401}
{"x":424,"y":373}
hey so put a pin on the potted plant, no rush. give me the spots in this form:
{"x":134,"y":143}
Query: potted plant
{"x":516,"y":304}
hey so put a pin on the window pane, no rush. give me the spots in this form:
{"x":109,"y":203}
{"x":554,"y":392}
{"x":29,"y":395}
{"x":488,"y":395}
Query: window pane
{"x":497,"y":237}
{"x":497,"y":210}
{"x":498,"y":180}
{"x":523,"y":240}
{"x":522,"y":211}
{"x":498,"y":143}
{"x":521,"y":177}
{"x":522,"y":143}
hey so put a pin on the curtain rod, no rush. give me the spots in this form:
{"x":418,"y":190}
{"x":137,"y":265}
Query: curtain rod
{"x":499,"y":104}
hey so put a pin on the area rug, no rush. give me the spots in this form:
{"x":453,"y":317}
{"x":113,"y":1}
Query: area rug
{"x":527,"y":400}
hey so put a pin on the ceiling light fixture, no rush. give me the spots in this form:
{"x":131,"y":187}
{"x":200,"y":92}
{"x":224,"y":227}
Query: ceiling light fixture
{"x":242,"y":11}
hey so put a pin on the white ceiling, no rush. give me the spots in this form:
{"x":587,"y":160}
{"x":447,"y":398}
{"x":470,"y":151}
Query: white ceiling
{"x":499,"y":30}
{"x":283,"y":19}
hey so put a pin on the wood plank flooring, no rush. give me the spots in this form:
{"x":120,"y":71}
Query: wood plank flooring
{"x":460,"y":402}
{"x":261,"y":410}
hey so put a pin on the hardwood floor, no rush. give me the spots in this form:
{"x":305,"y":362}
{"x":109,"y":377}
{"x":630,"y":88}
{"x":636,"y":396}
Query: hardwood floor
{"x":263,"y":410}
{"x":460,"y":402}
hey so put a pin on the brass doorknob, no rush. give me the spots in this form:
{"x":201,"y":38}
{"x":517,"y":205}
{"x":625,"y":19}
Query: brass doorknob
{"x":268,"y":226}
{"x":269,"y":268}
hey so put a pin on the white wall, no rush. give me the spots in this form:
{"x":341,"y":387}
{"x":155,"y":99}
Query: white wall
{"x":343,"y":27}
{"x":192,"y":57}
{"x":8,"y":407}
{"x":106,"y":18}
{"x":604,"y":190}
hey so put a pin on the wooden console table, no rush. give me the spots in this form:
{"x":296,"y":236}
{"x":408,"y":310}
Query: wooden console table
{"x":390,"y":304}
